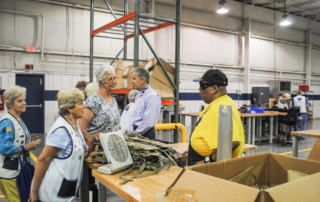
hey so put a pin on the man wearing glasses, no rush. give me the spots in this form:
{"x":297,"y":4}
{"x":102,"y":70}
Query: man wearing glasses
{"x":204,"y":139}
{"x":147,"y":105}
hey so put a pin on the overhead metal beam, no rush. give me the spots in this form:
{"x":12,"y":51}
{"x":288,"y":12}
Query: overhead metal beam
{"x":313,"y":23}
{"x":290,"y":6}
{"x":250,"y":8}
{"x":298,"y":21}
{"x":304,"y":3}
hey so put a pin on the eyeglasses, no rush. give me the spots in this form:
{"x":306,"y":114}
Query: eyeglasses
{"x":112,"y":80}
{"x":204,"y":86}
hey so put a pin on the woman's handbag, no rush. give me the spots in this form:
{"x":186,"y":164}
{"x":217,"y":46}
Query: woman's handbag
{"x":24,"y":179}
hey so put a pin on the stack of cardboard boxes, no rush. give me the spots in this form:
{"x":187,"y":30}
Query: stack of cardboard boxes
{"x":158,"y":80}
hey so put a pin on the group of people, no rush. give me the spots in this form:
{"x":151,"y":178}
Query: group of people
{"x":88,"y":111}
{"x":299,"y":100}
{"x":85,"y":112}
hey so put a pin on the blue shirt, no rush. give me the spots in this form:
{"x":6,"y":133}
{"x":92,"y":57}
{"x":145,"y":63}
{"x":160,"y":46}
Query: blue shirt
{"x":61,"y":139}
{"x":253,"y":106}
{"x":146,"y":110}
{"x":7,"y":148}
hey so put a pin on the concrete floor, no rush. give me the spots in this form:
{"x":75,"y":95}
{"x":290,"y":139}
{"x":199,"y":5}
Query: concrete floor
{"x":263,"y":147}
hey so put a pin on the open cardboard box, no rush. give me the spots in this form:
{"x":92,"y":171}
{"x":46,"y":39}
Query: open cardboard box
{"x":121,"y":65}
{"x":158,"y":79}
{"x":315,"y":152}
{"x":210,"y":181}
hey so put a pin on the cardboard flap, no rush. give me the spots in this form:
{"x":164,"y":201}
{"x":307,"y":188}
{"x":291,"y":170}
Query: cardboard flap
{"x":126,"y":72}
{"x":208,"y":188}
{"x":162,"y":89}
{"x":150,"y":63}
{"x":315,"y":152}
{"x":121,"y":64}
{"x":304,"y":189}
{"x":279,"y":164}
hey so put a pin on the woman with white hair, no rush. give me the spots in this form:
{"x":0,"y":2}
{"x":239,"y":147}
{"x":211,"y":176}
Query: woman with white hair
{"x":59,"y":167}
{"x":101,"y":114}
{"x":127,"y":112}
{"x":90,"y":89}
{"x":15,"y":143}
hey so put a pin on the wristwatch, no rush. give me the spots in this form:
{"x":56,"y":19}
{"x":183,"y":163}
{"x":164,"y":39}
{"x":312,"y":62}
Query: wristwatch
{"x":207,"y":159}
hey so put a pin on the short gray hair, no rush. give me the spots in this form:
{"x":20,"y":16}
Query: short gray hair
{"x":68,"y":97}
{"x":299,"y":92}
{"x":12,"y":93}
{"x":101,"y":73}
{"x":142,"y":73}
{"x":132,"y":95}
{"x":90,"y":89}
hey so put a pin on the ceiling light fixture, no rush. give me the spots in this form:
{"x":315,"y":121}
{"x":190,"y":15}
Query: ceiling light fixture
{"x":285,"y":22}
{"x":222,"y":7}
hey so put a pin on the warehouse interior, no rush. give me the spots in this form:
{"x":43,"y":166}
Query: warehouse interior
{"x":47,"y":45}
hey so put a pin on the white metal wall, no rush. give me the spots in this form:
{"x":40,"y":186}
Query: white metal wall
{"x":67,"y":31}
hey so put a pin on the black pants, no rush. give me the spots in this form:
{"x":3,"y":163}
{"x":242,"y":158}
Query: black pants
{"x":151,"y":133}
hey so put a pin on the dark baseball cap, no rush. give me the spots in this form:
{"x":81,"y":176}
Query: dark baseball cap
{"x":214,"y":76}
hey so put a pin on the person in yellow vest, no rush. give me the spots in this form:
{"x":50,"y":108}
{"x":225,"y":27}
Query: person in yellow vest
{"x":204,"y":139}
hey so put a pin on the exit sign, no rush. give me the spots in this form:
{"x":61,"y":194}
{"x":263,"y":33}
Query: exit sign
{"x":30,"y":49}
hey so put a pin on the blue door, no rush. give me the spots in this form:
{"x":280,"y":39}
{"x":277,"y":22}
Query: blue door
{"x":34,"y":115}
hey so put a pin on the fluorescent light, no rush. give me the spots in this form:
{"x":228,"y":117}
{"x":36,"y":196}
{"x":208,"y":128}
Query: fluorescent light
{"x":222,"y":9}
{"x":285,"y":23}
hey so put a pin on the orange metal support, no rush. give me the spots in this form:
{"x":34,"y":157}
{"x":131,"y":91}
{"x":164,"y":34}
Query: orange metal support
{"x":166,"y":24}
{"x":123,"y":91}
{"x":114,"y":23}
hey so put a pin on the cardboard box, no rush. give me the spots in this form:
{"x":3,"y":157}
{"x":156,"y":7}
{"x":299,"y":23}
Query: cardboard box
{"x":162,"y":89}
{"x":315,"y":151}
{"x":158,"y":77}
{"x":121,"y":65}
{"x":127,"y":77}
{"x":120,"y":82}
{"x":210,"y":181}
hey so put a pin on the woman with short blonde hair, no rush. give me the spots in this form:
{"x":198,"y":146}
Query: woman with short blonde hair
{"x":90,"y":89}
{"x":58,"y":171}
{"x":15,"y":143}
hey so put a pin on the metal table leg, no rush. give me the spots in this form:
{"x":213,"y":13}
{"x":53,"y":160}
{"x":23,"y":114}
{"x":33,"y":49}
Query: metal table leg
{"x":259,"y":119}
{"x":193,"y":122}
{"x":183,"y":120}
{"x":294,"y":146}
{"x":249,"y":129}
{"x":253,"y":130}
{"x":102,"y":193}
{"x":276,"y":126}
{"x":84,"y":187}
{"x":271,"y":130}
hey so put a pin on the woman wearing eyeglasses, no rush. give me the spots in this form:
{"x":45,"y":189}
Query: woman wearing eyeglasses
{"x":101,"y":114}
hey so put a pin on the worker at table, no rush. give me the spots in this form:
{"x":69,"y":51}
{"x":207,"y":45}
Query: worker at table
{"x":204,"y":138}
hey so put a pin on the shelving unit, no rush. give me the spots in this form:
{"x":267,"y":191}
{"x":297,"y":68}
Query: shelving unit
{"x":131,"y":25}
